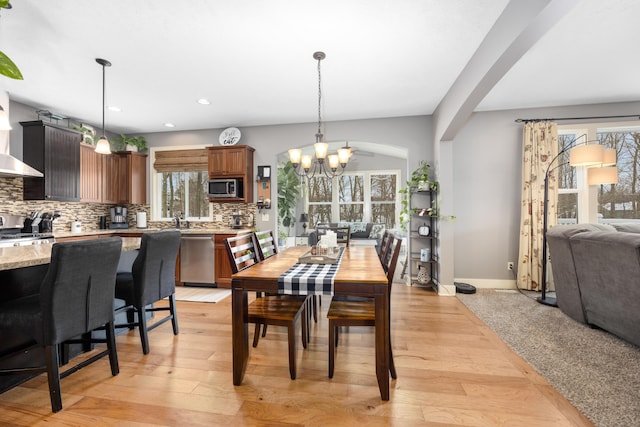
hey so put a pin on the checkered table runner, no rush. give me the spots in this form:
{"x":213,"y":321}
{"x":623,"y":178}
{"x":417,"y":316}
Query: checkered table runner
{"x":309,"y":279}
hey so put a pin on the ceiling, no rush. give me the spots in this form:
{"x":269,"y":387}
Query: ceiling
{"x":253,"y":59}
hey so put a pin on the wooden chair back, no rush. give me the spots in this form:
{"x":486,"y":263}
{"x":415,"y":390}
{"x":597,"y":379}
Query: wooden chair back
{"x":242,"y":251}
{"x":394,"y":252}
{"x":266,"y":244}
{"x":387,"y":238}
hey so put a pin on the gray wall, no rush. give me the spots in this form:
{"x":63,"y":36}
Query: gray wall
{"x":411,"y":133}
{"x":487,"y":177}
{"x":486,"y":172}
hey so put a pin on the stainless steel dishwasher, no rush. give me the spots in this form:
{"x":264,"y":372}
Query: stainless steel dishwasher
{"x":196,"y":260}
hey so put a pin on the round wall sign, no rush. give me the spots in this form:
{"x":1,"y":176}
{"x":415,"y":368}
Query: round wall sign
{"x":230,"y":136}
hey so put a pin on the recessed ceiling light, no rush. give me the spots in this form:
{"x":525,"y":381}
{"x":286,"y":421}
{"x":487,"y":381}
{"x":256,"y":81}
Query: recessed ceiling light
{"x":170,"y":125}
{"x":204,"y":101}
{"x":114,"y":108}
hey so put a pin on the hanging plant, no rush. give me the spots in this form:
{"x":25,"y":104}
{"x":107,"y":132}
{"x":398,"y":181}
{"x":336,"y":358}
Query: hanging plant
{"x":7,"y":66}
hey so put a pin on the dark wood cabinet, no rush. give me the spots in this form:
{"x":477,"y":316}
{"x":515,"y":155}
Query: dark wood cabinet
{"x":124,"y":178}
{"x":55,"y":151}
{"x":90,"y":174}
{"x":222,"y":270}
{"x":233,"y":162}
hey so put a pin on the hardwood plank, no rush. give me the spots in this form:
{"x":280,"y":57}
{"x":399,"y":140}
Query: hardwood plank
{"x":452,"y":371}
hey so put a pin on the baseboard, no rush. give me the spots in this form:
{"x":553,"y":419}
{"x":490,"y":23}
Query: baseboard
{"x":489,"y":283}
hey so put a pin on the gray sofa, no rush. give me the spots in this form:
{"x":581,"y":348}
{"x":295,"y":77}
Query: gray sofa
{"x":596,"y":272}
{"x":362,"y":233}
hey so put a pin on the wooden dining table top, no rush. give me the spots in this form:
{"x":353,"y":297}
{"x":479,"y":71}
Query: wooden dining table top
{"x":360,"y":264}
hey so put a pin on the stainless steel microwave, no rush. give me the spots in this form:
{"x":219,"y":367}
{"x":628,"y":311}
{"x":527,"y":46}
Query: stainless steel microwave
{"x":225,"y":188}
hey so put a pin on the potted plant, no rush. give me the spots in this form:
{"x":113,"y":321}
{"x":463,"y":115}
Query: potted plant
{"x":130,"y":143}
{"x":288,"y":193}
{"x":419,"y":181}
{"x":88,"y":134}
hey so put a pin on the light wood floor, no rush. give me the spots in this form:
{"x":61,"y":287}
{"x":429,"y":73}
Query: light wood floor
{"x":452,"y":371}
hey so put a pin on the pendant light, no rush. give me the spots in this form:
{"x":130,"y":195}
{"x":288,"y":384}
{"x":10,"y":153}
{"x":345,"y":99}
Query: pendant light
{"x":309,"y":165}
{"x":102,"y":145}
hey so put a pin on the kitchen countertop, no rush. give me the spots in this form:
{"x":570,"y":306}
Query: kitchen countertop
{"x":123,"y":231}
{"x":27,"y":256}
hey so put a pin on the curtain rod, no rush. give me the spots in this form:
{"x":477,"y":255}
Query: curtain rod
{"x":576,"y":118}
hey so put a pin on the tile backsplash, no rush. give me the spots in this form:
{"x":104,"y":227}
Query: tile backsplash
{"x":89,"y":213}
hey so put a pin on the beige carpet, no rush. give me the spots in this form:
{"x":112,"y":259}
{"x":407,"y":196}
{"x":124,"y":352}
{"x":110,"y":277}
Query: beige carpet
{"x":598,"y":372}
{"x":201,"y":294}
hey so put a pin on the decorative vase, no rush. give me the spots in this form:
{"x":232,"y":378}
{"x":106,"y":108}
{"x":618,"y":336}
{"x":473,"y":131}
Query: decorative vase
{"x":423,"y":185}
{"x":423,"y":276}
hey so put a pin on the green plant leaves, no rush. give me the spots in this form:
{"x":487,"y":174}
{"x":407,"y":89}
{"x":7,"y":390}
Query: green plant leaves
{"x":7,"y":67}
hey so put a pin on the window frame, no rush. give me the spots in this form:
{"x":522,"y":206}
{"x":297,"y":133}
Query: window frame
{"x":155,"y":187}
{"x":335,"y":196}
{"x":588,"y":195}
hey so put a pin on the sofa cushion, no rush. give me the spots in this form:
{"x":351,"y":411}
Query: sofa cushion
{"x":377,"y":230}
{"x":627,"y":227}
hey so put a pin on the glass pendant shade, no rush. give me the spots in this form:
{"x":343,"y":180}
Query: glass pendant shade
{"x":586,"y":155}
{"x":334,"y":162}
{"x":307,"y":160}
{"x":321,"y":149}
{"x":103,"y":146}
{"x":295,"y":154}
{"x":601,"y":176}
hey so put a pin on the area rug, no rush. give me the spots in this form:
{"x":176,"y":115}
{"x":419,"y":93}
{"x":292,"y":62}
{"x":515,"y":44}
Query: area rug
{"x":596,"y":371}
{"x":201,"y":294}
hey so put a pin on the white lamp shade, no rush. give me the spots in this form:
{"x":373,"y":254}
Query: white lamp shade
{"x":334,"y":162}
{"x":321,"y":149}
{"x":609,"y":157}
{"x":344,"y":154}
{"x":295,"y":154}
{"x":306,"y":162}
{"x":586,"y":155}
{"x":604,"y":175}
{"x":103,"y":146}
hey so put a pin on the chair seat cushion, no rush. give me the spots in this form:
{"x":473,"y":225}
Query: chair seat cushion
{"x":23,"y":315}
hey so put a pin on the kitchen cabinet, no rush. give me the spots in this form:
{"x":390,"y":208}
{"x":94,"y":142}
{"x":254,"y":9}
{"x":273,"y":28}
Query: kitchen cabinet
{"x":233,"y":162}
{"x":124,"y":178}
{"x":221,"y":261}
{"x":54,"y":151}
{"x":90,"y":174}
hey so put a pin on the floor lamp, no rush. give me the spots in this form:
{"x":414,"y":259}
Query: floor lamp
{"x":582,"y":154}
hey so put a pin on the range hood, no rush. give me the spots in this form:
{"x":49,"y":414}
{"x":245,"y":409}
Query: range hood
{"x":9,"y":165}
{"x":12,"y":167}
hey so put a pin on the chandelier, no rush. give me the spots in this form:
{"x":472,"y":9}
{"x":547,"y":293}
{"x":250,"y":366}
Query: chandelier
{"x":308,"y":166}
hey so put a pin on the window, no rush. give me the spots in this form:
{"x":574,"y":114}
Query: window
{"x":365,"y":196}
{"x":183,"y":194}
{"x":579,"y":202}
{"x":181,"y":185}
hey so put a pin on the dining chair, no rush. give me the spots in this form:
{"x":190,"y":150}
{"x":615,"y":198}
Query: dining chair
{"x":361,"y":311}
{"x":267,"y":246}
{"x":387,"y":238}
{"x":151,"y":279}
{"x":268,"y":309}
{"x":75,"y":298}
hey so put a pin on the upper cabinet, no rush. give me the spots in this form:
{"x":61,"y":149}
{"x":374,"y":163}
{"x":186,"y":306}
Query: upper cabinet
{"x":117,"y":178}
{"x":90,"y":174}
{"x":233,"y":162}
{"x":124,"y":178}
{"x":55,"y":151}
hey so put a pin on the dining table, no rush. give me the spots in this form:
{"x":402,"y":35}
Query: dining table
{"x":360,"y":273}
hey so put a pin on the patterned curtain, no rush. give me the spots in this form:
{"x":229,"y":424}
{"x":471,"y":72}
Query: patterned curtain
{"x":539,"y":148}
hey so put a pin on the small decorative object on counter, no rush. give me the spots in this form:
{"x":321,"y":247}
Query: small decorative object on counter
{"x":76,"y":227}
